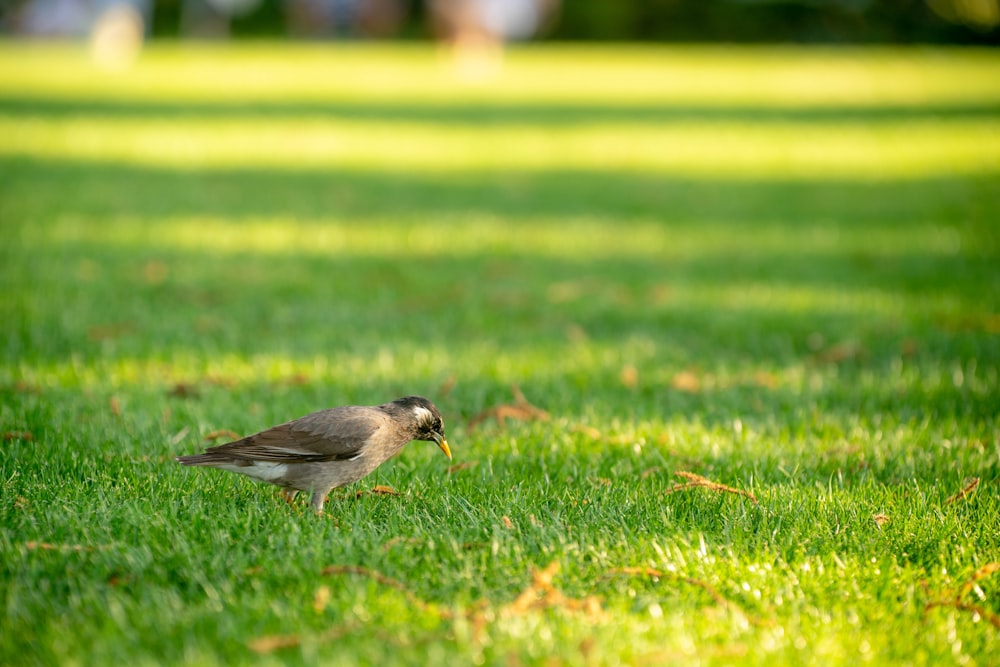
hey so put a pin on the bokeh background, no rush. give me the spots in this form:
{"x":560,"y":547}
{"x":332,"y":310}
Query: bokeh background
{"x":669,"y":240}
{"x":812,"y":21}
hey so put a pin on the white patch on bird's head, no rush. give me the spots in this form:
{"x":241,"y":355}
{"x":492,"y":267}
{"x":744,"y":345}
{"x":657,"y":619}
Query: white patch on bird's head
{"x":423,"y":415}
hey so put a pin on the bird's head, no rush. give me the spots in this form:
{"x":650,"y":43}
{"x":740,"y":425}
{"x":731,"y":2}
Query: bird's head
{"x":427,"y":420}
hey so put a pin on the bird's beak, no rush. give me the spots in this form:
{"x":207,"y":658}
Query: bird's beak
{"x":443,"y":444}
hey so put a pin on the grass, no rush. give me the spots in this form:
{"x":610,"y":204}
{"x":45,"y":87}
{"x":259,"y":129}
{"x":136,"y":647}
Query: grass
{"x":774,"y":268}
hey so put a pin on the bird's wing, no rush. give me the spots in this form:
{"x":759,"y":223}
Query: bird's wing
{"x":328,"y":435}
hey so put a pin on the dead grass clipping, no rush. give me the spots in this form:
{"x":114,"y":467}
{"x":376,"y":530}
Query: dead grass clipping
{"x":540,"y":595}
{"x":696,"y":481}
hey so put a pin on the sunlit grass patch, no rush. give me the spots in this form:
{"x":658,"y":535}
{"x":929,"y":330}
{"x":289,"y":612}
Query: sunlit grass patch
{"x":735,"y":149}
{"x":769,"y":273}
{"x":415,"y":74}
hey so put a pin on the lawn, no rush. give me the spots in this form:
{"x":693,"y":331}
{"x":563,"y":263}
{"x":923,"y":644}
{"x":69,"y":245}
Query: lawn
{"x":714,"y":332}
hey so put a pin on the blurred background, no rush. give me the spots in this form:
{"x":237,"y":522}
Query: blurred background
{"x":495,"y":21}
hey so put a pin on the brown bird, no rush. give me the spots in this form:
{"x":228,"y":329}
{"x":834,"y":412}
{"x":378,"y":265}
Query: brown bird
{"x":329,"y":448}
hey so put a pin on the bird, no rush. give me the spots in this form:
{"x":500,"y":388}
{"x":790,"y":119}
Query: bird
{"x":328,"y":449}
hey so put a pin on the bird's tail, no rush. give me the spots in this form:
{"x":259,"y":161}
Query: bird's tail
{"x":206,"y":459}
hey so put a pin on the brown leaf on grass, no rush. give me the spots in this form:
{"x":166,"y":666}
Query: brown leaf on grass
{"x":464,"y":465}
{"x":18,"y":435}
{"x":101,"y":332}
{"x":630,"y":376}
{"x":520,"y":409}
{"x":472,"y":546}
{"x":697,"y":481}
{"x":686,"y":381}
{"x":978,"y":575}
{"x":184,"y":390}
{"x":954,"y":598}
{"x":586,"y":647}
{"x":970,"y":485}
{"x":155,"y":272}
{"x":542,"y":594}
{"x":271,"y":643}
{"x":116,"y":580}
{"x":115,"y":405}
{"x":23,"y":387}
{"x":765,"y":379}
{"x":378,"y":490}
{"x":507,"y":523}
{"x":221,"y":433}
{"x":880,"y":519}
{"x":840,"y":353}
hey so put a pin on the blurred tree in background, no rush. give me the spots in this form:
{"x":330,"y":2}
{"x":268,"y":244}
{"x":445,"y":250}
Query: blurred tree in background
{"x":822,"y":21}
{"x":793,"y":21}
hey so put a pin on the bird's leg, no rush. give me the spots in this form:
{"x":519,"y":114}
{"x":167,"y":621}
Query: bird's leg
{"x":316,"y":501}
{"x":289,"y":494}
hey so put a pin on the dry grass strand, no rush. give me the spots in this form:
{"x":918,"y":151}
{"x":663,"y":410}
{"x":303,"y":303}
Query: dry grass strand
{"x":954,"y":598}
{"x":696,"y":481}
{"x":520,"y":410}
{"x":221,"y":433}
{"x":971,"y":485}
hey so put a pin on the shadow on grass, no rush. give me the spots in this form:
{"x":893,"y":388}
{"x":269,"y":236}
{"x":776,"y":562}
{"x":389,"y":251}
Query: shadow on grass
{"x":727,"y":301}
{"x":500,"y":113}
{"x":320,"y":196}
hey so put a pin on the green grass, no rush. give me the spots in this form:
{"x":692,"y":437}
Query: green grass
{"x":776,"y":268}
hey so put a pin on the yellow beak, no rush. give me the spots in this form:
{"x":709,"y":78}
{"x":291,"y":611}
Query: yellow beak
{"x":443,"y":444}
